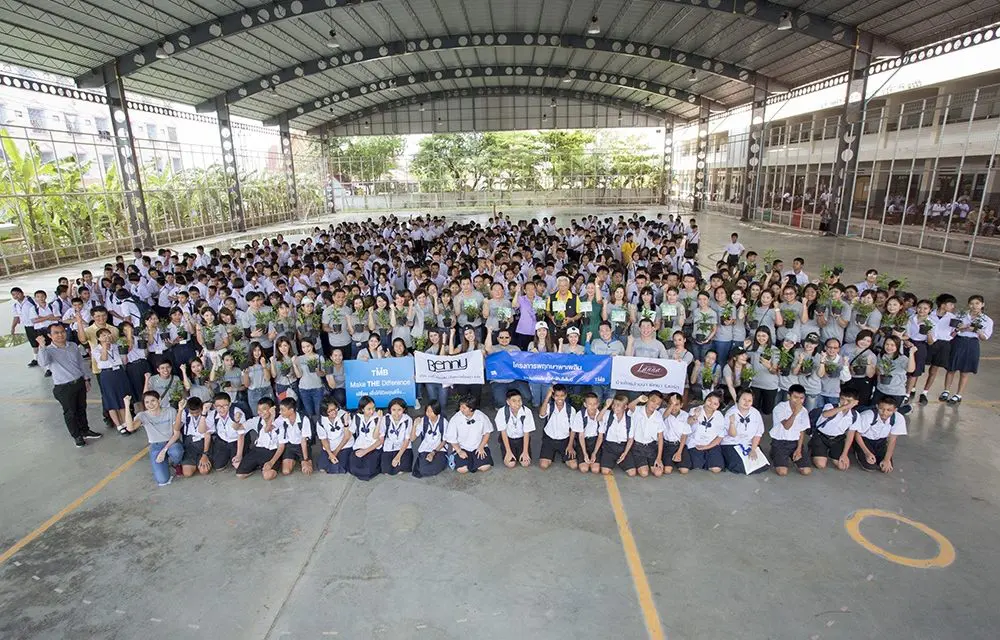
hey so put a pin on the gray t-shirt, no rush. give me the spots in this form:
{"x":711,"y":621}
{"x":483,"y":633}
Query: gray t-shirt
{"x":308,"y":366}
{"x":611,"y":348}
{"x":651,"y":348}
{"x":160,"y":427}
{"x":893,"y":384}
{"x":762,"y":378}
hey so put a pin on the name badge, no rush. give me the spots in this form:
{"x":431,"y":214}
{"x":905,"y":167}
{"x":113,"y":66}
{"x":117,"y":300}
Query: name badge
{"x":670,"y":309}
{"x":585,"y":307}
{"x":618,"y":315}
{"x":558,"y":306}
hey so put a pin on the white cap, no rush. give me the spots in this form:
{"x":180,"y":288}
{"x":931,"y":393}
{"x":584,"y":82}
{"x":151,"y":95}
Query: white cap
{"x":541,"y":325}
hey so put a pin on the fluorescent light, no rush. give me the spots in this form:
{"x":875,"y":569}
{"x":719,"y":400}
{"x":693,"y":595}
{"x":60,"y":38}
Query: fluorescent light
{"x":785,"y":22}
{"x":594,"y":27}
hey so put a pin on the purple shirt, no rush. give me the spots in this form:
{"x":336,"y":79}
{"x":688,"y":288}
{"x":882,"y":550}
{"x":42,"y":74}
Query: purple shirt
{"x":526,"y":321}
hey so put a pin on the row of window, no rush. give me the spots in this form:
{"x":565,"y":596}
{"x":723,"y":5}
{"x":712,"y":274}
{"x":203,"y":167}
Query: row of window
{"x":41,"y":120}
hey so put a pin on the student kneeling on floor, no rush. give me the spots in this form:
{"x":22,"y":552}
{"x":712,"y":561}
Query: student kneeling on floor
{"x":294,"y":430}
{"x":790,"y":423}
{"x":268,"y":448}
{"x":834,"y":434}
{"x":469,"y":432}
{"x":875,"y":437}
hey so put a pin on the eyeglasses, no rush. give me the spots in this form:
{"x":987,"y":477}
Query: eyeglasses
{"x":503,"y":337}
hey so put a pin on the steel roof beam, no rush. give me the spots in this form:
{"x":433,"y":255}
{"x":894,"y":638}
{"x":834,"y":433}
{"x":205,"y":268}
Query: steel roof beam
{"x":486,"y":92}
{"x":803,"y":22}
{"x":509,"y":71}
{"x":210,"y":31}
{"x":508,"y":39}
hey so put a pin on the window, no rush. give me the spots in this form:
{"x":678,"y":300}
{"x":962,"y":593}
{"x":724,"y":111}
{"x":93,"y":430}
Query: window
{"x":177,"y":164}
{"x":37,"y":118}
{"x":48,"y":156}
{"x":72,"y":123}
{"x":172,"y":134}
{"x":107,"y":162}
{"x":103,"y":126}
{"x":3,"y":114}
{"x":151,"y":131}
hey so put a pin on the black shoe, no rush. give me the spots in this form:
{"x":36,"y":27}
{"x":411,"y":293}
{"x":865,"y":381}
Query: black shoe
{"x":923,"y":399}
{"x":80,"y":442}
{"x":92,"y":435}
{"x":48,"y":374}
{"x":33,"y":363}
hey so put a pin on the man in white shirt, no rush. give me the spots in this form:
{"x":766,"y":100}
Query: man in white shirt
{"x":790,"y":422}
{"x":835,"y":432}
{"x":469,"y":432}
{"x":515,"y":422}
{"x":556,"y":440}
{"x":876,"y":436}
{"x":734,"y":250}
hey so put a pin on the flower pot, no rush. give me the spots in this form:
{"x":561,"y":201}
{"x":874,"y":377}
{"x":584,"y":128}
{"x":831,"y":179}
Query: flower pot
{"x":954,"y":323}
{"x":142,"y":344}
{"x":884,"y":379}
{"x":923,"y":330}
{"x":789,"y":324}
{"x":122,"y":349}
{"x":700,"y":337}
{"x":752,"y":325}
{"x":786,"y":371}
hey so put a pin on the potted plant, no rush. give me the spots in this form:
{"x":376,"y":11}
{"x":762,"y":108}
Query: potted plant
{"x":312,"y":364}
{"x":285,"y":368}
{"x":806,"y":368}
{"x":400,"y":317}
{"x":752,"y":324}
{"x":859,"y":367}
{"x":789,"y":316}
{"x":862,"y":311}
{"x":707,"y":379}
{"x":420,"y":342}
{"x":264,"y":319}
{"x":785,"y":360}
{"x":767,"y":352}
{"x":884,"y":370}
{"x":176,"y":394}
{"x":665,"y":335}
{"x":925,"y":327}
{"x":836,"y":307}
{"x":182,"y":335}
{"x":955,"y":323}
{"x":702,"y":330}
{"x":382,"y":320}
{"x":977,"y":324}
{"x":122,"y":345}
{"x":471,"y":311}
{"x":746,"y":376}
{"x":832,"y":368}
{"x":728,"y":312}
{"x":504,"y":316}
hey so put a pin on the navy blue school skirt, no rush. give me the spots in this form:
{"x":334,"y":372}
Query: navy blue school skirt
{"x":424,"y":469}
{"x":405,"y":462}
{"x":114,"y":387}
{"x":964,"y":356}
{"x":343,"y":464}
{"x":137,"y":370}
{"x":365,"y":467}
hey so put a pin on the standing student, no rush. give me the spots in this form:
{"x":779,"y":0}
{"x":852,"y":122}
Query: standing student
{"x":939,"y":343}
{"x":268,"y":448}
{"x":788,"y":433}
{"x":733,"y":250}
{"x":586,"y":427}
{"x":368,"y":437}
{"x":397,"y":429}
{"x":675,"y":434}
{"x":469,"y":433}
{"x":430,"y":459}
{"x":614,"y":438}
{"x":164,"y":448}
{"x":556,"y":441}
{"x":294,"y":429}
{"x":515,"y":423}
{"x":744,"y":429}
{"x":708,"y":426}
{"x":334,"y":434}
{"x":876,"y":434}
{"x":228,"y":424}
{"x":974,"y":327}
{"x":71,"y":381}
{"x":21,"y":305}
{"x":834,"y":434}
{"x":112,"y":379}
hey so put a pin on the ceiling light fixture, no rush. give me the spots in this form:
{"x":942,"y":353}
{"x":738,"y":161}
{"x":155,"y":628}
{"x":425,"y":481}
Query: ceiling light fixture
{"x":422,"y":107}
{"x":594,"y":27}
{"x":161,"y":53}
{"x":331,"y":40}
{"x":785,"y":21}
{"x":567,"y":79}
{"x":692,"y":76}
{"x":367,"y":124}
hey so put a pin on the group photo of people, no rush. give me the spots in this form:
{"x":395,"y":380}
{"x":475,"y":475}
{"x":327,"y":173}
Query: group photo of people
{"x":234,"y":359}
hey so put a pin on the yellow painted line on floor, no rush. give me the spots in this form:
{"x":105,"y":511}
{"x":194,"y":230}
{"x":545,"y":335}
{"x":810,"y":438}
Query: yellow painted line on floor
{"x":946,"y":550}
{"x":642,"y":590}
{"x":71,"y":507}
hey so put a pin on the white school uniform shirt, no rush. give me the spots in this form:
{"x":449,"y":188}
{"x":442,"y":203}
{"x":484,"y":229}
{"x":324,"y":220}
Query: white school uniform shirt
{"x":431,"y":433}
{"x":870,"y":425}
{"x":705,"y":430}
{"x":557,"y":423}
{"x":675,"y":426}
{"x":748,"y":427}
{"x":228,"y":427}
{"x":333,"y":430}
{"x":395,"y":432}
{"x":734,"y":248}
{"x":366,"y":432}
{"x":265,"y":439}
{"x":292,"y":431}
{"x":838,"y":425}
{"x":942,"y":325}
{"x":781,"y":413}
{"x":645,"y":427}
{"x":468,"y":433}
{"x":986,"y":321}
{"x":515,"y":424}
{"x":189,"y":425}
{"x":584,"y":423}
{"x":615,"y":429}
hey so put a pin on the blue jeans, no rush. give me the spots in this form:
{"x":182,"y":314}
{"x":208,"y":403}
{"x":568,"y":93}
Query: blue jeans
{"x":161,"y":470}
{"x":432,"y":392}
{"x":254,"y":396}
{"x":699,"y":350}
{"x":310,"y":400}
{"x":812,"y":402}
{"x":722,"y":348}
{"x":537,"y":393}
{"x":602,"y":393}
{"x":825,"y":400}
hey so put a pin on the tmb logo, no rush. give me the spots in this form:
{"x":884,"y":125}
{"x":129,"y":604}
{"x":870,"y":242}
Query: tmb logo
{"x":648,"y":371}
{"x":438,"y":366}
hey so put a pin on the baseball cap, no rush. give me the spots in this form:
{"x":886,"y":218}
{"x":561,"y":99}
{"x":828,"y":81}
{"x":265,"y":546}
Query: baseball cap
{"x":572,"y":330}
{"x":541,"y":325}
{"x":813,"y":337}
{"x":791,"y":336}
{"x":308,"y":301}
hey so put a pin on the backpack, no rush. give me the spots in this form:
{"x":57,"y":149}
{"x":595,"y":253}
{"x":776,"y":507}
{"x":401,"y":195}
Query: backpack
{"x":628,"y":424}
{"x":506,"y":415}
{"x":142,"y":306}
{"x":817,"y":414}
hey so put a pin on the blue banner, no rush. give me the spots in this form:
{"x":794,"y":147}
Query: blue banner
{"x":383,"y":380}
{"x":549,"y":368}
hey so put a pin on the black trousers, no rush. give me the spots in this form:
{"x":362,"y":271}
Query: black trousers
{"x":73,"y":398}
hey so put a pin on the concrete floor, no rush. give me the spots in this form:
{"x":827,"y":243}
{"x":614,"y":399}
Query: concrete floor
{"x":511,"y":554}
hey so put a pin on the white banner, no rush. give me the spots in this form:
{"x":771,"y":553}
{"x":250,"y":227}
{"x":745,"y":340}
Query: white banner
{"x":647,"y":374}
{"x":465,"y":368}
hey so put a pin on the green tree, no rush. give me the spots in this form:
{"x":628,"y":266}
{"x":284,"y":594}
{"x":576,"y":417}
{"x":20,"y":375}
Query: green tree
{"x":365,"y":159}
{"x":448,"y":162}
{"x":566,"y":154}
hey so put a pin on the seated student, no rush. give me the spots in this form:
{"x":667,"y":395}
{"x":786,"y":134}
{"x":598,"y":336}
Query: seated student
{"x":469,"y":432}
{"x":675,"y":434}
{"x":228,"y":427}
{"x":834,"y":433}
{"x":515,"y":423}
{"x":744,"y":428}
{"x":159,"y":423}
{"x":397,"y":429}
{"x":196,"y":437}
{"x":788,"y":433}
{"x":293,"y":430}
{"x":647,"y":434}
{"x":585,"y":427}
{"x":430,"y":459}
{"x":875,"y":437}
{"x":558,"y":414}
{"x":368,"y":436}
{"x":334,"y":435}
{"x":614,"y":437}
{"x":708,"y":426}
{"x":268,"y":448}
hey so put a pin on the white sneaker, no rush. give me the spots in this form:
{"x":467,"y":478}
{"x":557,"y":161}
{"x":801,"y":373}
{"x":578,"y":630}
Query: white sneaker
{"x":163,"y":484}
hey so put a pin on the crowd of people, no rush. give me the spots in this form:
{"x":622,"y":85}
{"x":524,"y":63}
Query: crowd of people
{"x":235,"y":359}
